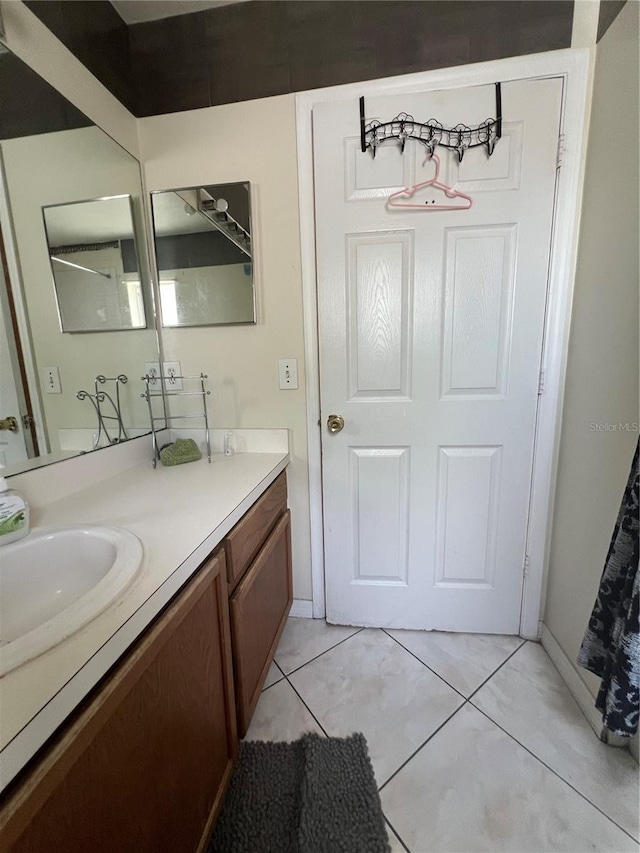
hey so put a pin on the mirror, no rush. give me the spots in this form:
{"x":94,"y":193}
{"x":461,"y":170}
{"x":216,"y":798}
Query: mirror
{"x":204,"y":252}
{"x":95,"y":266}
{"x":68,"y":192}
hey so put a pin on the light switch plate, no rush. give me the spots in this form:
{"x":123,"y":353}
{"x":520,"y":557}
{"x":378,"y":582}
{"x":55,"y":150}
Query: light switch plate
{"x":51,"y":380}
{"x":288,"y":373}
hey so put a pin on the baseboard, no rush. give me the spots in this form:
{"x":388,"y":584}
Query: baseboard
{"x":301,"y":608}
{"x":576,"y":685}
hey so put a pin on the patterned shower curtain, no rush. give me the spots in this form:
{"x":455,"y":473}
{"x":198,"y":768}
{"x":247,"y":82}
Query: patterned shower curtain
{"x":611,"y":645}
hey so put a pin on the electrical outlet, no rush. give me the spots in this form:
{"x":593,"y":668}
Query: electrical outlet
{"x":152,"y":368}
{"x":51,"y":380}
{"x":170,"y":370}
{"x":288,"y":373}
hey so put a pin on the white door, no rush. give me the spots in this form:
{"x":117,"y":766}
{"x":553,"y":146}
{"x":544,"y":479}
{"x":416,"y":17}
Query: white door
{"x":430,"y":330}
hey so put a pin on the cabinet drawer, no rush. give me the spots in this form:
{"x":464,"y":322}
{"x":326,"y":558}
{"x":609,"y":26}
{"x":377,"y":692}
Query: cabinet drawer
{"x":259,"y":608}
{"x":244,"y":541}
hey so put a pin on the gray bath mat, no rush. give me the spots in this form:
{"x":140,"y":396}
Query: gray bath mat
{"x":316,"y":795}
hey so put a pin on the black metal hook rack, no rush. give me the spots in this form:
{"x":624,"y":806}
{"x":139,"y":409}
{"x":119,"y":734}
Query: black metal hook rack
{"x":432,"y":133}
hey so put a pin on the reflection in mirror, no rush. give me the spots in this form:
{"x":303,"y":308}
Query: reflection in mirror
{"x":95,"y":265}
{"x":204,"y":253}
{"x":54,"y":158}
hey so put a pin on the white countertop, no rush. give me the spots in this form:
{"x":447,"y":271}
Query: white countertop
{"x":180,"y":514}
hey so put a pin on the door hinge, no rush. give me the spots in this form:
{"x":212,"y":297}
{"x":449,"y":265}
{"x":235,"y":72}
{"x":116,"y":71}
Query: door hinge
{"x":541,"y":381}
{"x":561,"y":151}
{"x":525,"y":567}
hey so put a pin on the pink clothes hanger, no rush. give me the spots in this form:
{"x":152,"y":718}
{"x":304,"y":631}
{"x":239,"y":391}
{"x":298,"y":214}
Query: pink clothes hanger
{"x":402,"y":198}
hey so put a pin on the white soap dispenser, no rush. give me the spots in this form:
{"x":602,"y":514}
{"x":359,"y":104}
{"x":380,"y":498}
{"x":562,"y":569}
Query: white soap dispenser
{"x":14,"y":514}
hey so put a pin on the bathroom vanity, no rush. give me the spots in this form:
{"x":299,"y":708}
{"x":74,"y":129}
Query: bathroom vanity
{"x":143,"y":761}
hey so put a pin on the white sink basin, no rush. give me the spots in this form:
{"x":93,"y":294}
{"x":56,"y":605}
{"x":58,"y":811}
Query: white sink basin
{"x":55,"y":581}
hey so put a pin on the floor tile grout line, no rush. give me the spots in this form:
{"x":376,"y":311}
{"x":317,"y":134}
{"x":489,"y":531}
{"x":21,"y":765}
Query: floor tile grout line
{"x":555,"y":772}
{"x":396,"y":833}
{"x":339,"y":643}
{"x":278,"y":680}
{"x":498,"y":668}
{"x":384,"y":631}
{"x":524,"y":642}
{"x":466,"y":698}
{"x":415,"y":752}
{"x":408,"y":651}
{"x":322,"y":728}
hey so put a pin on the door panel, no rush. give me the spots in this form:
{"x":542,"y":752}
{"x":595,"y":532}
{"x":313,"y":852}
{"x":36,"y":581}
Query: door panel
{"x":430,"y":331}
{"x":478,"y":304}
{"x":379,"y":293}
{"x":467,"y":525}
{"x":380,"y":533}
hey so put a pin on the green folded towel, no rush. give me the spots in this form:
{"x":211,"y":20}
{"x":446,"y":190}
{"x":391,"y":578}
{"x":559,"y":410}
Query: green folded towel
{"x":182,"y":450}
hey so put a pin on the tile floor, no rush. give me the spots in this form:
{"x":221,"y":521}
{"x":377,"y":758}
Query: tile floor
{"x":475,"y":740}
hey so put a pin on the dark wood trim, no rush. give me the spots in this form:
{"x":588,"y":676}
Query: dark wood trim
{"x":19,"y":352}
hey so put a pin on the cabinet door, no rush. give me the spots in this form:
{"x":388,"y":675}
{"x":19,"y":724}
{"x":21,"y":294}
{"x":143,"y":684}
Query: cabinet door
{"x":259,"y":608}
{"x":144,"y":766}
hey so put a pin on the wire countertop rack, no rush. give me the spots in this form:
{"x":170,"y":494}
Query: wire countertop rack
{"x":149,"y":394}
{"x":98,"y":400}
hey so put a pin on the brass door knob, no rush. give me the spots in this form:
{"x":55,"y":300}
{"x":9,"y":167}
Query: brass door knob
{"x":9,"y":423}
{"x":335,"y":423}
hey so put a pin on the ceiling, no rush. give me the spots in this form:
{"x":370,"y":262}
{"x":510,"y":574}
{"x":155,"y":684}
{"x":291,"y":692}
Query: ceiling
{"x":137,"y":11}
{"x":97,"y":221}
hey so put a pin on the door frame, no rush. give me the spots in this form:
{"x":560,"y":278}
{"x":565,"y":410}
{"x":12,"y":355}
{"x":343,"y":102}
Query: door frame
{"x":14,"y":270}
{"x":575,"y":68}
{"x":18,"y":370}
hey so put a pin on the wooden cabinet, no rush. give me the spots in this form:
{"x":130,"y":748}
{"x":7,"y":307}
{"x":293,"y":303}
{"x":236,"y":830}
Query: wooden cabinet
{"x":259,"y":608}
{"x":248,"y":536}
{"x":144,"y":765}
{"x":258,"y":556}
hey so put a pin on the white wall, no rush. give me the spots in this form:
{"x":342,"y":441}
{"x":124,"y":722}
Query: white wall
{"x":602,"y":370}
{"x":251,"y":141}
